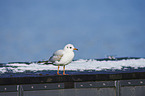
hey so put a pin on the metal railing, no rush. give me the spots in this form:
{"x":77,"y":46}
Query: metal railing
{"x":95,"y":88}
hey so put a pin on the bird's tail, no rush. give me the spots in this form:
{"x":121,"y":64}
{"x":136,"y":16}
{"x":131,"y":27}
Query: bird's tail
{"x":45,"y":62}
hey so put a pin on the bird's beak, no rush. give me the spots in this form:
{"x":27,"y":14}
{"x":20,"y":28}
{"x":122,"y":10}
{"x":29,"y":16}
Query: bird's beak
{"x":75,"y":49}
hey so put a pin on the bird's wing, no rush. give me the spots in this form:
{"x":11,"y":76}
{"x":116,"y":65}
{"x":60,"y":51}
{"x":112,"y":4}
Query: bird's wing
{"x":56,"y":56}
{"x":58,"y":52}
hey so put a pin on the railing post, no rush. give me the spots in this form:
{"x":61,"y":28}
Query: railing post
{"x":117,"y":85}
{"x":20,"y":90}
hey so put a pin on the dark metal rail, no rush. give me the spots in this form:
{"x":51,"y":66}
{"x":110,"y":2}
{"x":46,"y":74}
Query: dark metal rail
{"x":122,"y":84}
{"x":95,"y":88}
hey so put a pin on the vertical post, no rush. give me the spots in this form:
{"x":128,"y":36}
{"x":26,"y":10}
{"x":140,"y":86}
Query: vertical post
{"x":117,"y":85}
{"x":20,"y":90}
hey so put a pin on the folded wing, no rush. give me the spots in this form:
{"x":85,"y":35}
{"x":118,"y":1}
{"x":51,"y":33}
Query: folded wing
{"x":56,"y":56}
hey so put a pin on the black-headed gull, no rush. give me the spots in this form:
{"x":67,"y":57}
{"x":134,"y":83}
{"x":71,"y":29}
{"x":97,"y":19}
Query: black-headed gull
{"x":63,"y":57}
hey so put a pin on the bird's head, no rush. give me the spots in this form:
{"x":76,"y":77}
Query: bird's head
{"x":70,"y":47}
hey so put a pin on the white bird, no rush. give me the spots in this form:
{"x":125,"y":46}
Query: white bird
{"x":63,"y":57}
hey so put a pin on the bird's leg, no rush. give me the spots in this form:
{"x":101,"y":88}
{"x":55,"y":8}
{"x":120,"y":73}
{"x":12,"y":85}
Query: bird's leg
{"x":64,"y":70}
{"x":58,"y":70}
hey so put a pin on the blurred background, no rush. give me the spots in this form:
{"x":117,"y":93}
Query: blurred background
{"x":31,"y":30}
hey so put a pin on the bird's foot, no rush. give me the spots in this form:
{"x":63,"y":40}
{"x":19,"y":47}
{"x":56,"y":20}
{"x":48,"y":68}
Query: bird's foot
{"x":65,"y":74}
{"x":59,"y":74}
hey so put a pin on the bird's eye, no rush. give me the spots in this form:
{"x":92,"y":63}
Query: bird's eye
{"x":67,"y":47}
{"x":70,"y":47}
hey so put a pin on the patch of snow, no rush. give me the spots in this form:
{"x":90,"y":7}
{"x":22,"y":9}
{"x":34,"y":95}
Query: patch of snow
{"x":80,"y":65}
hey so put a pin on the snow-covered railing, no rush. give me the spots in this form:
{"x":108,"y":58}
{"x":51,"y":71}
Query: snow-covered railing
{"x":91,"y":77}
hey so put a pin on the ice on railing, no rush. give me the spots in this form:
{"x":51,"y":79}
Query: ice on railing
{"x":78,"y":65}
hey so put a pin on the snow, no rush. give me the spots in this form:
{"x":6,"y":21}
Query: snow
{"x":80,"y":65}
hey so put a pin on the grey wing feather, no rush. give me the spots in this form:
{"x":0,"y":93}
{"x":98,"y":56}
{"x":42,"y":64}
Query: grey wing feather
{"x":56,"y":56}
